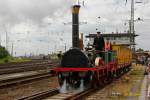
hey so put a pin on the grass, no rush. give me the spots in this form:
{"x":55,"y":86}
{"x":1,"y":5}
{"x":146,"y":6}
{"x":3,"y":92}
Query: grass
{"x":53,"y":56}
{"x":13,"y":59}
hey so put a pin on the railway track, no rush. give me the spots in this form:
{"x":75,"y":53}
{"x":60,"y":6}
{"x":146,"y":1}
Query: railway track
{"x":19,"y":73}
{"x":101,"y":94}
{"x":86,"y":94}
{"x":12,"y":64}
{"x":22,"y":67}
{"x":41,"y":95}
{"x":54,"y":94}
{"x":24,"y":79}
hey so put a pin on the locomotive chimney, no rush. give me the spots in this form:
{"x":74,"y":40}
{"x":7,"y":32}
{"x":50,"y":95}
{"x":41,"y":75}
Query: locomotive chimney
{"x":75,"y":26}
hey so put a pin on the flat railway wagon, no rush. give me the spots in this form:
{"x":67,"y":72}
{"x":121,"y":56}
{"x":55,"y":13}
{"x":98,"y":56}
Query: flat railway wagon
{"x":90,"y":68}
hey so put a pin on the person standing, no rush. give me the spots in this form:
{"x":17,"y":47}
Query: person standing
{"x":108,"y":50}
{"x":147,"y":69}
{"x":99,"y":43}
{"x":108,"y":45}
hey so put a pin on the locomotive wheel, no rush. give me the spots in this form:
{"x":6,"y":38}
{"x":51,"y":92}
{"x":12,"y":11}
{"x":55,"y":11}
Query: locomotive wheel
{"x":101,"y":79}
{"x":60,"y":79}
{"x":74,"y":79}
{"x":117,"y":73}
{"x":109,"y":76}
{"x":87,"y":78}
{"x":114,"y":74}
{"x":104,"y":79}
{"x":94,"y":82}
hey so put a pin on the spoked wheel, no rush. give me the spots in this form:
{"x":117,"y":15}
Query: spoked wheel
{"x":95,"y":83}
{"x":109,"y":76}
{"x":61,"y":79}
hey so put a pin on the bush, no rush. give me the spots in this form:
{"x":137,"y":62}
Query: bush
{"x":6,"y":60}
{"x":3,"y":52}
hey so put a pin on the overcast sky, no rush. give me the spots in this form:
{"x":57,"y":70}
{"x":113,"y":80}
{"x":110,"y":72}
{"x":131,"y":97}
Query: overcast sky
{"x":37,"y":26}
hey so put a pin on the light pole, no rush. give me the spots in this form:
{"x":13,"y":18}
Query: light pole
{"x":0,"y":40}
{"x":131,"y":28}
{"x":65,"y":47}
{"x":6,"y":36}
{"x":6,"y":39}
{"x":12,"y":49}
{"x":98,"y":23}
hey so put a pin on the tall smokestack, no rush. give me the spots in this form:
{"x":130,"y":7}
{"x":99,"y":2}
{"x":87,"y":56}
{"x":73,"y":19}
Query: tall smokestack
{"x":75,"y":26}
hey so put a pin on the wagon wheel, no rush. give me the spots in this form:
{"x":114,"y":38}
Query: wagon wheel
{"x":105,"y":79}
{"x":100,"y":79}
{"x":101,"y":83}
{"x":109,"y":76}
{"x":94,"y":82}
{"x":60,"y":79}
{"x":114,"y":75}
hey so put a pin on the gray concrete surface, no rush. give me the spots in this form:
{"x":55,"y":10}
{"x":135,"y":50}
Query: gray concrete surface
{"x":143,"y":93}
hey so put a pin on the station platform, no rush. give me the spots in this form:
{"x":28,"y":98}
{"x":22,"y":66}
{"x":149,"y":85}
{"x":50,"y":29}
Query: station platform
{"x":148,"y":87}
{"x":145,"y":89}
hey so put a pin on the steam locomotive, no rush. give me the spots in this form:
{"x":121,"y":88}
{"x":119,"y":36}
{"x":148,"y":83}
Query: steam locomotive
{"x":91,"y":68}
{"x":88,"y":67}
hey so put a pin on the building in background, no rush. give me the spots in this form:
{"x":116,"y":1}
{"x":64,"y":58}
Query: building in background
{"x":117,"y":38}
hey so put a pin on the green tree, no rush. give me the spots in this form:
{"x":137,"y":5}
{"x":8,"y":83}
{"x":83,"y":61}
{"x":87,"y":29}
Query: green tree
{"x":3,"y":52}
{"x":140,"y":50}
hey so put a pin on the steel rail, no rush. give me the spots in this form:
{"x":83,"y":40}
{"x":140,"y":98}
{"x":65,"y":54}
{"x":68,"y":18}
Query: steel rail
{"x":15,"y":69}
{"x":21,"y":80}
{"x":41,"y":95}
